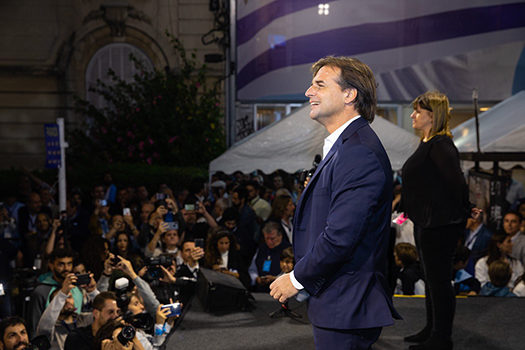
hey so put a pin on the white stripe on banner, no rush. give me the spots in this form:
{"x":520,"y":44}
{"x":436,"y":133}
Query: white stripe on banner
{"x":481,"y":67}
{"x":274,"y":62}
{"x":342,"y":14}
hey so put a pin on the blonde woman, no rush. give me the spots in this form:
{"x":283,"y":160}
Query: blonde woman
{"x":435,"y":198}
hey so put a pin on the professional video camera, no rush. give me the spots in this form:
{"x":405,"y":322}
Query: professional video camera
{"x":154,"y":271}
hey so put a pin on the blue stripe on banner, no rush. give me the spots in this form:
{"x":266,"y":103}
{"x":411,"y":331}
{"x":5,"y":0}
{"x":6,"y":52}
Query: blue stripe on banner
{"x":249,"y":25}
{"x":351,"y":41}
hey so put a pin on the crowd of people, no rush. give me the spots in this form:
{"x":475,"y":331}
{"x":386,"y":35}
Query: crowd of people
{"x":110,"y":270}
{"x":486,"y":263}
{"x":122,"y":256}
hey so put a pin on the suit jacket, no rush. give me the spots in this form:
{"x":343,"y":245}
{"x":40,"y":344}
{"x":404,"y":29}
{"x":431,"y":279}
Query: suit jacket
{"x":341,"y":233}
{"x":479,"y":249}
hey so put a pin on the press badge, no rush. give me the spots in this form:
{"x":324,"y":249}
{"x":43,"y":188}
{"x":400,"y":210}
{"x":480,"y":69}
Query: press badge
{"x":266,"y":265}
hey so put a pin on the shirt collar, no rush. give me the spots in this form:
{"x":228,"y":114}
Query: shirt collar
{"x":330,"y":139}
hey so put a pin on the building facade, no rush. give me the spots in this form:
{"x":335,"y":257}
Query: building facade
{"x":52,"y":50}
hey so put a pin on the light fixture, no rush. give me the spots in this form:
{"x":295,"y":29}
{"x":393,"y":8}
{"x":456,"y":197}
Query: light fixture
{"x":323,"y":9}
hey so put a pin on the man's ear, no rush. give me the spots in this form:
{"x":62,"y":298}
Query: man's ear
{"x":350,"y":95}
{"x":96,"y":314}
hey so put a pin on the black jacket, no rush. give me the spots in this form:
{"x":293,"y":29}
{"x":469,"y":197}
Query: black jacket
{"x":434,"y":190}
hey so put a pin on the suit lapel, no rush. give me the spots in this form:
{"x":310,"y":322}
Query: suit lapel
{"x":352,"y":128}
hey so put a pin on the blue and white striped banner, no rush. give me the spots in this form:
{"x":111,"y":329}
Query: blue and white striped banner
{"x":412,"y":46}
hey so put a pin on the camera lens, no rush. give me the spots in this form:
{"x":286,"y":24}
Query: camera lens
{"x":126,"y":335}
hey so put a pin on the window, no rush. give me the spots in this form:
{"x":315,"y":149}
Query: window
{"x":116,"y":57}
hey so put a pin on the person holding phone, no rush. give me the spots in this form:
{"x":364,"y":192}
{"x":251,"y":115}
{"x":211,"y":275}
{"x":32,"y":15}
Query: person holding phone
{"x":169,"y":237}
{"x":60,"y":316}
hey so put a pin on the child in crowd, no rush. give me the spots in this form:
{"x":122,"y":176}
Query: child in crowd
{"x":409,"y":275}
{"x":464,"y":282}
{"x":286,"y":262}
{"x":499,"y":274}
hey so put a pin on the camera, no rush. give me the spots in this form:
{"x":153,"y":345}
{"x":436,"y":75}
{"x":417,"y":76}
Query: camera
{"x":141,"y":321}
{"x":153,"y":263}
{"x":103,"y":202}
{"x":174,"y":308}
{"x":122,"y":288}
{"x":115,"y":260}
{"x":126,"y":334}
{"x":82,"y":279}
{"x":189,"y":207}
{"x":164,"y":260}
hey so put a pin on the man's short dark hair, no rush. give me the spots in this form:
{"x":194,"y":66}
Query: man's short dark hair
{"x":100,"y":299}
{"x":354,"y":75}
{"x":61,"y":253}
{"x":189,"y":240}
{"x":254,"y":184}
{"x":513,"y":212}
{"x":10,"y":322}
{"x":241,"y":191}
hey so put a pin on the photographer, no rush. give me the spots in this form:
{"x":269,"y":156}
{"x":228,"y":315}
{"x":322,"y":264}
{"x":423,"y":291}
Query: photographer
{"x":116,"y":335}
{"x":104,"y":309}
{"x":170,"y":243}
{"x":142,"y":303}
{"x":60,"y":316}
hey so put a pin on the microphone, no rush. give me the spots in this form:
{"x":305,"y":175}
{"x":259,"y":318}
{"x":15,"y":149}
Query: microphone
{"x":317,"y":160}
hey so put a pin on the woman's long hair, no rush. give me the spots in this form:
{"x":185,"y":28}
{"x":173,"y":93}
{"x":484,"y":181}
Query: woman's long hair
{"x":494,"y":252}
{"x":437,"y":103}
{"x":212,"y":255}
{"x":279,"y":206}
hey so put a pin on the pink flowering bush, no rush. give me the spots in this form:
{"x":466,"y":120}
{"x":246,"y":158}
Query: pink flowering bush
{"x":164,"y":118}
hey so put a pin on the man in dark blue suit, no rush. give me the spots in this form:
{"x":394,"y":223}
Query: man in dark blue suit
{"x":342,"y":221}
{"x":477,"y":238}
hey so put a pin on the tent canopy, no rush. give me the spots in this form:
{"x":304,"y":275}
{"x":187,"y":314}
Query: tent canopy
{"x":501,"y":129}
{"x":292,"y":143}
